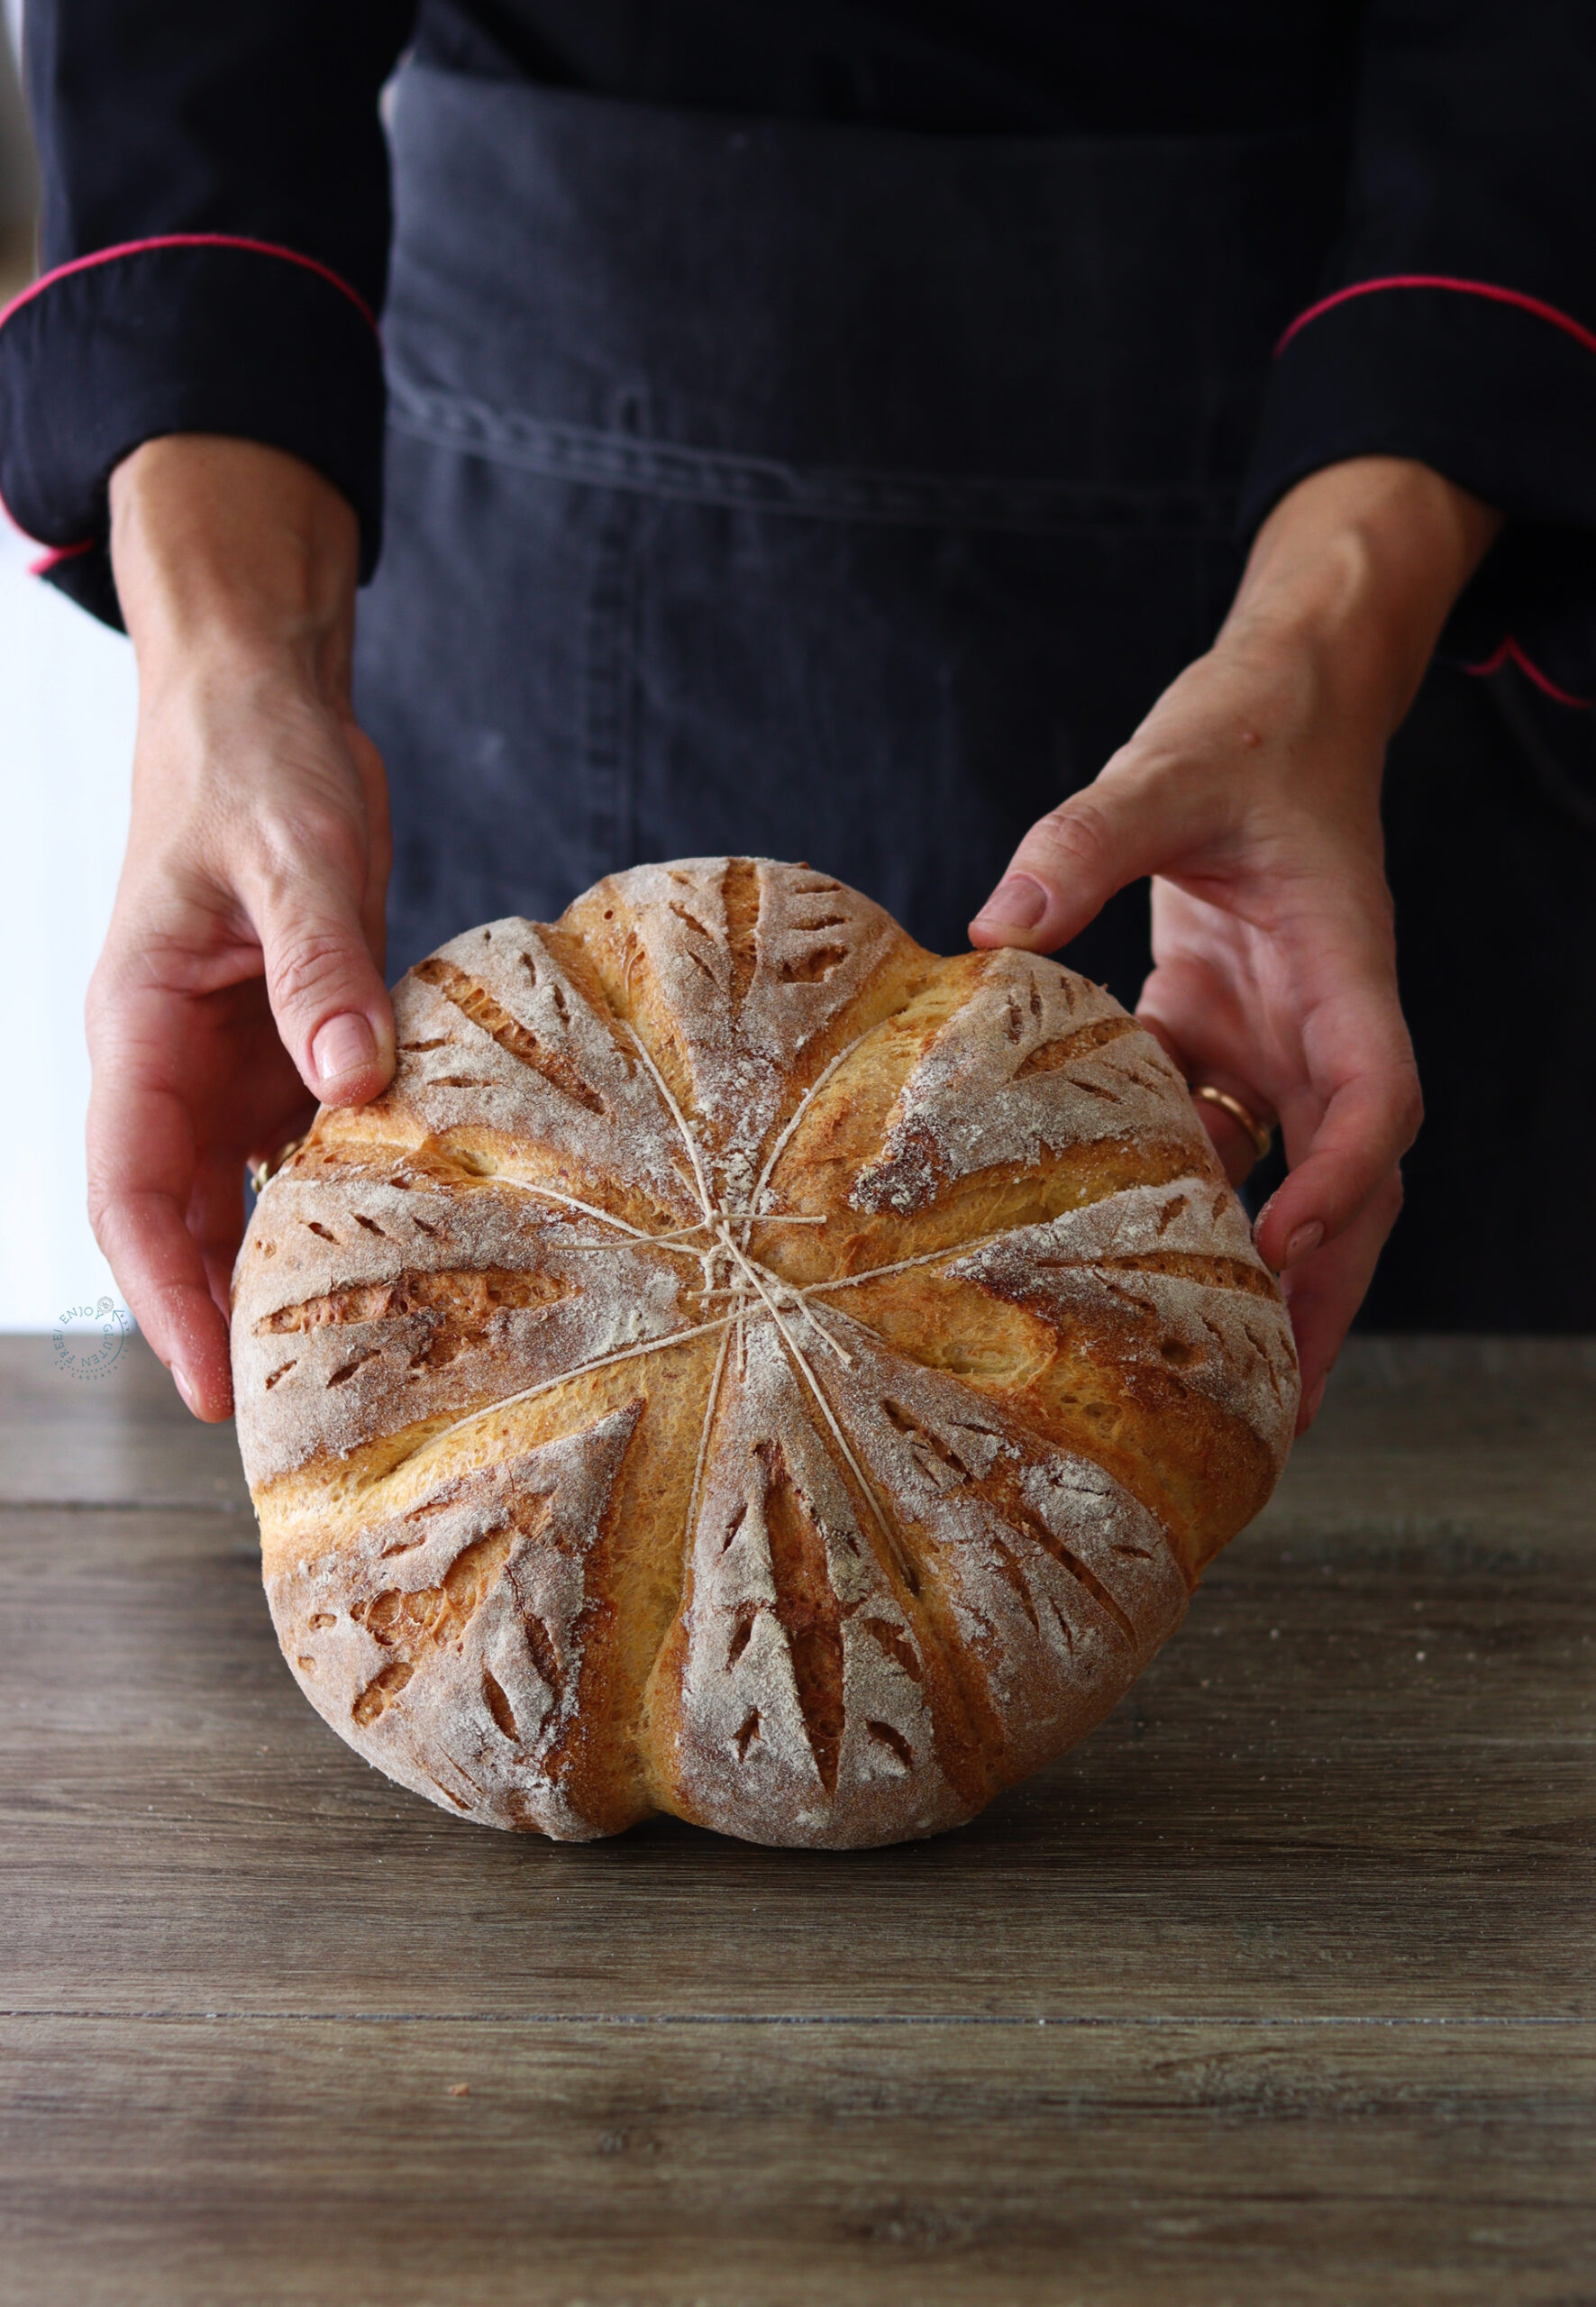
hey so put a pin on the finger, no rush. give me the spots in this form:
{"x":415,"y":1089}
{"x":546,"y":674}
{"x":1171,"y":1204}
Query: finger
{"x":1234,"y":1145}
{"x":1368,"y":1124}
{"x":140,"y":1165}
{"x":1324,"y":1291}
{"x":216,"y":1222}
{"x":1074,"y":860}
{"x":1308,"y":1017}
{"x":327,"y":997}
{"x":379,"y":841}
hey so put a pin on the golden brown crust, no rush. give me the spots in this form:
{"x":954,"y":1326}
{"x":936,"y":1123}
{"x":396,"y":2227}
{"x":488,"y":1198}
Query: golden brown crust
{"x":748,"y":1367}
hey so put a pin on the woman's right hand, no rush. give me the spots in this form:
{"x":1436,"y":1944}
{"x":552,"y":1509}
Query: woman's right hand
{"x":241,"y":980}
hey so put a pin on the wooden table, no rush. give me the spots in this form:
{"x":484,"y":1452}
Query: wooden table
{"x":1278,"y":1989}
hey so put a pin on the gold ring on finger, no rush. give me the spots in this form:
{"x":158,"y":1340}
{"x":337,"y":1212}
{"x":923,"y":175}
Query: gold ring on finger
{"x":1263,"y":1139}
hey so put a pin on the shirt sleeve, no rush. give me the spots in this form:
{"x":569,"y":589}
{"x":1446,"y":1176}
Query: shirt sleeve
{"x":215,"y":238}
{"x":1457,"y":323}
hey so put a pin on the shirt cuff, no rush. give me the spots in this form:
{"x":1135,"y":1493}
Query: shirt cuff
{"x":1492,"y":387}
{"x":190,"y":333}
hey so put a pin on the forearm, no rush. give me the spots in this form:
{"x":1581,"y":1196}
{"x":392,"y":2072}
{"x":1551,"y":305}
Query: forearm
{"x":237,"y":566}
{"x":228,"y":552}
{"x":1357,"y":569}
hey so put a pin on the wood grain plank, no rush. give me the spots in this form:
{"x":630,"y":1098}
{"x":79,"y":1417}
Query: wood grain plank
{"x":125,"y":1437}
{"x":1420,"y":1435}
{"x":150,"y":2164}
{"x":1311,"y":1922}
{"x":1359,"y":1781}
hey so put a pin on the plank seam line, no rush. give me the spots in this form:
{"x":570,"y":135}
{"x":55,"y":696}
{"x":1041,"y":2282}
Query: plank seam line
{"x":122,"y":1506}
{"x":764,"y":2019}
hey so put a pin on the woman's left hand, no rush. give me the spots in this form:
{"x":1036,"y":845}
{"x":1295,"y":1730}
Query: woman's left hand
{"x":1251,"y":794}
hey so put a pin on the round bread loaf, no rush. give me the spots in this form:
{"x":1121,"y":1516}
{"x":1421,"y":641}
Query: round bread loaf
{"x":746,"y":1367}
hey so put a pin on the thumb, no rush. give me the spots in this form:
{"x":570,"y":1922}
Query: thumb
{"x":329,"y":1003}
{"x":1074,"y":860}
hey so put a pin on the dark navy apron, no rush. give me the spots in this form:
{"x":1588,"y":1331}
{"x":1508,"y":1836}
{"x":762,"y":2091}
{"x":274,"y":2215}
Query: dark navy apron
{"x":820,"y":491}
{"x":806,"y":490}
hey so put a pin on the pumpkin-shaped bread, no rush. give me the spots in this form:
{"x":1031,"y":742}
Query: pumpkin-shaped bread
{"x":746,"y":1367}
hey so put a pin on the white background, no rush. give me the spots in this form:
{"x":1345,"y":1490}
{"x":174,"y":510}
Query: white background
{"x":67,"y":696}
{"x":66,"y":704}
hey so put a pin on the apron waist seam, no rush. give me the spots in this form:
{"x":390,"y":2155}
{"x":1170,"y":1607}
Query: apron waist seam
{"x":591,"y":456}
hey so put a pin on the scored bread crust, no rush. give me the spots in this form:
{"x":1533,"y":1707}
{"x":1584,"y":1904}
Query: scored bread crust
{"x":748,"y":1367}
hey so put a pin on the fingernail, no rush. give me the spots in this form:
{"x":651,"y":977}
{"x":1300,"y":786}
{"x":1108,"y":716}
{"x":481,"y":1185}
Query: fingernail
{"x":1306,"y":1238}
{"x":1016,"y":903}
{"x":180,"y":1380}
{"x":345,"y":1045}
{"x":1316,"y":1400}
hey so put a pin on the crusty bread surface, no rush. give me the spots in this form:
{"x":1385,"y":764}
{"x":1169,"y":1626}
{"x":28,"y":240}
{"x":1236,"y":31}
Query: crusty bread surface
{"x":748,"y":1367}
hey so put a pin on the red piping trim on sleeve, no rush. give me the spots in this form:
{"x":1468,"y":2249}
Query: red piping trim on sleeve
{"x":1487,"y":288}
{"x":1509,"y":653}
{"x":190,"y":240}
{"x":57,"y":553}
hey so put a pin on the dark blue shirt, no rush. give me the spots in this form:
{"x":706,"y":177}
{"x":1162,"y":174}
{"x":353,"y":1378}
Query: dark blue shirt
{"x":216,"y":221}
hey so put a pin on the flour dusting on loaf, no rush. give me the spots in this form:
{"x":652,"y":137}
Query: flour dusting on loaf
{"x":748,"y":1367}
